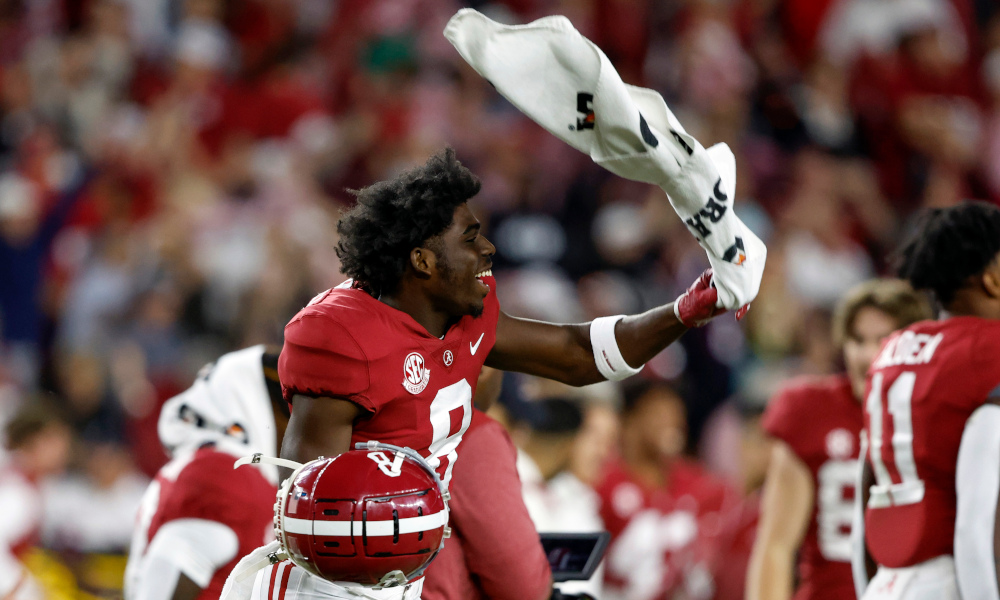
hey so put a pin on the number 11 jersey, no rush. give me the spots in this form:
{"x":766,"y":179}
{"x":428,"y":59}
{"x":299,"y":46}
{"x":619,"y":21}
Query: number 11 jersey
{"x":414,"y":389}
{"x":922,"y":387}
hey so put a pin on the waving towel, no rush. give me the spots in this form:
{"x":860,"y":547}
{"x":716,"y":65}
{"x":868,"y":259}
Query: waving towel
{"x":562,"y":81}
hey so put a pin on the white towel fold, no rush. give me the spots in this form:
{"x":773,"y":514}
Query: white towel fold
{"x":566,"y":84}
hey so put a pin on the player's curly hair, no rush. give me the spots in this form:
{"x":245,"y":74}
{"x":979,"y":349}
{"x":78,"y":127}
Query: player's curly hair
{"x":395,"y":216}
{"x":948,"y":246}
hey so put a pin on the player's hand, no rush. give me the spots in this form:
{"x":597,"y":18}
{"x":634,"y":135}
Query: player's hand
{"x":697,"y":306}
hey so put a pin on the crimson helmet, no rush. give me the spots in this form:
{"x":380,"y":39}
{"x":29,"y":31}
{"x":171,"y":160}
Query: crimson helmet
{"x":376,"y":515}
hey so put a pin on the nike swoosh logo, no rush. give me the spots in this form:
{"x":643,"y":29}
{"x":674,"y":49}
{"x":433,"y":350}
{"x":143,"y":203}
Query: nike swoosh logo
{"x":476,"y":347}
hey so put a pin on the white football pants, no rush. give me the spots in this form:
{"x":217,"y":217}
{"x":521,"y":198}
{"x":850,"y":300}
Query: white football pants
{"x":931,"y":580}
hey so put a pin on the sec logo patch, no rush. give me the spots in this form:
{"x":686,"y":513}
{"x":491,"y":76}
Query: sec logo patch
{"x":416,"y":375}
{"x":448,"y":358}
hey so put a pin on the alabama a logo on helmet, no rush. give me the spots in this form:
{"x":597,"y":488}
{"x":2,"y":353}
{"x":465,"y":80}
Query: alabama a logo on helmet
{"x":416,"y":375}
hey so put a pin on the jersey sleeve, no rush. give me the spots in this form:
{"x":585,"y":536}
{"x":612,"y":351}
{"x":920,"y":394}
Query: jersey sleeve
{"x":321,"y":358}
{"x":786,"y":418}
{"x":210,"y":489}
{"x":500,"y":544}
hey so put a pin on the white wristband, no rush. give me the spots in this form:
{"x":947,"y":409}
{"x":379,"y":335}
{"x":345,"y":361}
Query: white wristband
{"x":607,"y":356}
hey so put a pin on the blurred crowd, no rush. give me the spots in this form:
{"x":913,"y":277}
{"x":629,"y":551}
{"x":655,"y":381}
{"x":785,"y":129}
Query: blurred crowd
{"x":171,"y":173}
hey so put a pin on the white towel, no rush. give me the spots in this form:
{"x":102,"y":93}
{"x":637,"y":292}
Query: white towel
{"x":562,"y":81}
{"x":227,"y":405}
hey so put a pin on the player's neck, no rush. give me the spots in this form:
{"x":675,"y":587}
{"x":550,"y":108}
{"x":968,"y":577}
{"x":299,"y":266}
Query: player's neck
{"x":421,"y":309}
{"x":973,"y":303}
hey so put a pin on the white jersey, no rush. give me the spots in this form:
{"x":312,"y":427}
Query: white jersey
{"x":255,"y":578}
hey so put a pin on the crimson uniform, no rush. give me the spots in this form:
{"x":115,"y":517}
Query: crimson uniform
{"x":820,"y":420}
{"x":922,"y":388}
{"x":203,"y":485}
{"x":416,"y":389}
{"x":666,"y":541}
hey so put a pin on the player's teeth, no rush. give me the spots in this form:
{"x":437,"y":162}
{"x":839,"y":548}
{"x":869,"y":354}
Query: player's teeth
{"x":487,"y":273}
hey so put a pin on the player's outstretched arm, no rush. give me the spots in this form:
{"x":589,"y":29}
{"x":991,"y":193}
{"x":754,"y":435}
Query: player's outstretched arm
{"x":977,"y":528}
{"x":789,"y":494}
{"x":607,"y":348}
{"x":318,"y":427}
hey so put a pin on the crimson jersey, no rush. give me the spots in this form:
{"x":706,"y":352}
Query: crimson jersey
{"x":923,"y":386}
{"x":820,"y":420}
{"x":204,"y":485}
{"x":671,"y":540}
{"x":416,"y":389}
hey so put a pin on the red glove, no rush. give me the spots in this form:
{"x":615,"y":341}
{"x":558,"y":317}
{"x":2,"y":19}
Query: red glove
{"x":696,"y":307}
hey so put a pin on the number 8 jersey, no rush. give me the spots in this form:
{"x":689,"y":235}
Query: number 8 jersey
{"x":923,"y":386}
{"x":820,"y":421}
{"x":416,"y":389}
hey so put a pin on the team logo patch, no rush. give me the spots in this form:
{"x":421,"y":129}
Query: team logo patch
{"x":839,"y":444}
{"x":416,"y":375}
{"x":736,"y":253}
{"x":448,"y":358}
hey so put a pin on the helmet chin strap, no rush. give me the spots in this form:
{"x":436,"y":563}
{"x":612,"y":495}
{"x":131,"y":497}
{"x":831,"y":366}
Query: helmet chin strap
{"x":258,"y":458}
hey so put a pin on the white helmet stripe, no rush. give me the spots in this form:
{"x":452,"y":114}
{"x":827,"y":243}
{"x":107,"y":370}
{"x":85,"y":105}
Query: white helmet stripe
{"x":374,"y":528}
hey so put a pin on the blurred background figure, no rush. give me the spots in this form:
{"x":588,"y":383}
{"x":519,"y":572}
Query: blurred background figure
{"x":814,"y":426}
{"x":671,"y":521}
{"x":38,"y":442}
{"x":557,"y":500}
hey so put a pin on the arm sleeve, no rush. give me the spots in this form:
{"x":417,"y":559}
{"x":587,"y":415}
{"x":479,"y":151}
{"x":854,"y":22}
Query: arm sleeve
{"x":977,"y":484}
{"x":194,"y":547}
{"x":321,"y":358}
{"x":501,"y":545}
{"x":783,"y":419}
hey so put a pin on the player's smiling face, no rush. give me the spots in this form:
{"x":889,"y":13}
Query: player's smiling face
{"x":465,"y":256}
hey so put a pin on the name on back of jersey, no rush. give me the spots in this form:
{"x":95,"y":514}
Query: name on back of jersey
{"x":908,"y":348}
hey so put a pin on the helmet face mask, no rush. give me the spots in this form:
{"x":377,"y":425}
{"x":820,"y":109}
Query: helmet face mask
{"x":376,"y":516}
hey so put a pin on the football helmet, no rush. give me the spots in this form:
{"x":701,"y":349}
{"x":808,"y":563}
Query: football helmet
{"x":376,"y":515}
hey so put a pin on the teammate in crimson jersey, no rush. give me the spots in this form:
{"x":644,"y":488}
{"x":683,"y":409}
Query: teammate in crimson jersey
{"x":199,"y":516}
{"x":929,"y":507}
{"x":814,"y":424}
{"x":671,"y":522}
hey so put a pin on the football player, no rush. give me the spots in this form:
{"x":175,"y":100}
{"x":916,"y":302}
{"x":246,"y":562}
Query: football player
{"x":814,"y":424}
{"x":929,"y":508}
{"x":394,"y":354}
{"x":668,"y":518}
{"x":199,"y":515}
